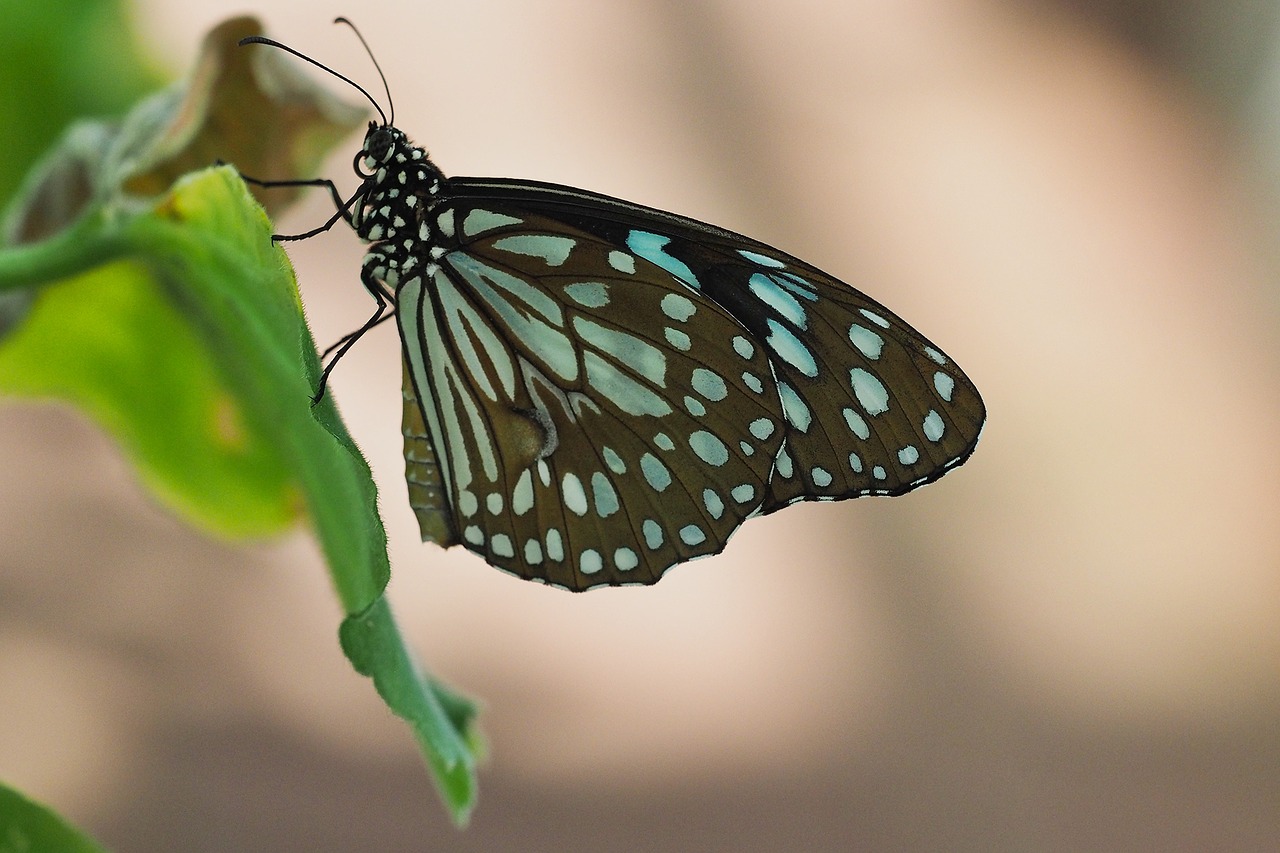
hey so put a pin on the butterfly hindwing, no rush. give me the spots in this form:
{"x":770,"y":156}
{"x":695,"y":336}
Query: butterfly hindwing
{"x":578,"y":444}
{"x":427,"y":496}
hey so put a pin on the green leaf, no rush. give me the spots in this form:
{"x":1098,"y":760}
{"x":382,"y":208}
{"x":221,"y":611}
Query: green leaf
{"x":205,"y":251}
{"x":442,"y":720}
{"x":208,"y":247}
{"x":28,"y":827}
{"x":169,"y":316}
{"x":255,"y":323}
{"x":149,"y":380}
{"x":137,"y":368}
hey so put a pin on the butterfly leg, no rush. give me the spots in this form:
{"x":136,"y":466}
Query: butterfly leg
{"x":384,"y":298}
{"x":343,"y":212}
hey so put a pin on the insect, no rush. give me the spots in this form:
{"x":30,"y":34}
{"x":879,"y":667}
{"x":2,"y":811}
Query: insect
{"x":596,"y":391}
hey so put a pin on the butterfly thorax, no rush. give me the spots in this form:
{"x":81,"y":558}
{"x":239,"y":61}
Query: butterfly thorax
{"x":400,"y":185}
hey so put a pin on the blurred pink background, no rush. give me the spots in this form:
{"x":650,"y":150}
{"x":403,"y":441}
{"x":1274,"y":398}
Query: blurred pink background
{"x":1071,"y":643}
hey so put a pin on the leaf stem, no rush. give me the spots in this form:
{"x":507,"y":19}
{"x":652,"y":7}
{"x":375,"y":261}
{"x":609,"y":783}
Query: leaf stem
{"x":90,"y":242}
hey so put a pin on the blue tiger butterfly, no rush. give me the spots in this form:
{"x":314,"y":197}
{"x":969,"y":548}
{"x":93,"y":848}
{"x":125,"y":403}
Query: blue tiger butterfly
{"x":596,"y":391}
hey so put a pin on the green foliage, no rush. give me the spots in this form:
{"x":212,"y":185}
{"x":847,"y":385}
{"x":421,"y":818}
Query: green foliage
{"x":162,"y":308}
{"x":28,"y":827}
{"x":54,"y":49}
{"x":438,"y":715}
{"x":149,"y":380}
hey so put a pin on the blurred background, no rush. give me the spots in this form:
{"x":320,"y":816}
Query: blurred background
{"x":1071,"y":643}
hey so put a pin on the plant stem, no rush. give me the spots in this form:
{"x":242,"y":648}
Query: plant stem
{"x":90,"y":242}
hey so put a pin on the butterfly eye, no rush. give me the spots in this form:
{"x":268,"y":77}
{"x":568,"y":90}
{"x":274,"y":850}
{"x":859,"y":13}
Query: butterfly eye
{"x":377,"y":144}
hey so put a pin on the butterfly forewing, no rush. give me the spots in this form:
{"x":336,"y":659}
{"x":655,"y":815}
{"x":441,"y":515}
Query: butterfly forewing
{"x":611,"y":390}
{"x":871,"y":406}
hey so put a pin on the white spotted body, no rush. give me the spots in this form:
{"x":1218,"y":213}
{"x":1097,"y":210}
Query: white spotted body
{"x":596,"y":391}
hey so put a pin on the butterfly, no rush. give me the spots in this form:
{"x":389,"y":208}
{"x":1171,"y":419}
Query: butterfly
{"x":596,"y":391}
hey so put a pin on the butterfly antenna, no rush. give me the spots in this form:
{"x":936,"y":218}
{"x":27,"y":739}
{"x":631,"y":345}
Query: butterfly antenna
{"x":390,"y":103}
{"x":344,"y":78}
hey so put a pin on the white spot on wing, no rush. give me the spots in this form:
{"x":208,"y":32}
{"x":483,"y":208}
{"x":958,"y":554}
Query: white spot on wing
{"x":549,"y":248}
{"x":709,"y":384}
{"x":575,"y":497}
{"x":445,"y":223}
{"x":933,"y":426}
{"x":868,"y":342}
{"x":588,"y":294}
{"x":944,"y":385}
{"x":713,"y":503}
{"x":692,"y":534}
{"x":613,"y":460}
{"x":709,"y":448}
{"x":794,"y":408}
{"x":522,"y":494}
{"x":500,"y":544}
{"x":652,"y":534}
{"x":622,"y":262}
{"x":677,"y":339}
{"x":606,"y":499}
{"x":782,"y":464}
{"x":677,"y":307}
{"x":762,"y":260}
{"x":655,"y":473}
{"x":555,"y":545}
{"x":479,"y":221}
{"x":874,"y":317}
{"x":857,"y":424}
{"x":870,"y":391}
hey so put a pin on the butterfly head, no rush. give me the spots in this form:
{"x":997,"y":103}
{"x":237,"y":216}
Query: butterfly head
{"x":388,"y":157}
{"x":378,"y":142}
{"x":382,"y":144}
{"x":398,"y":177}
